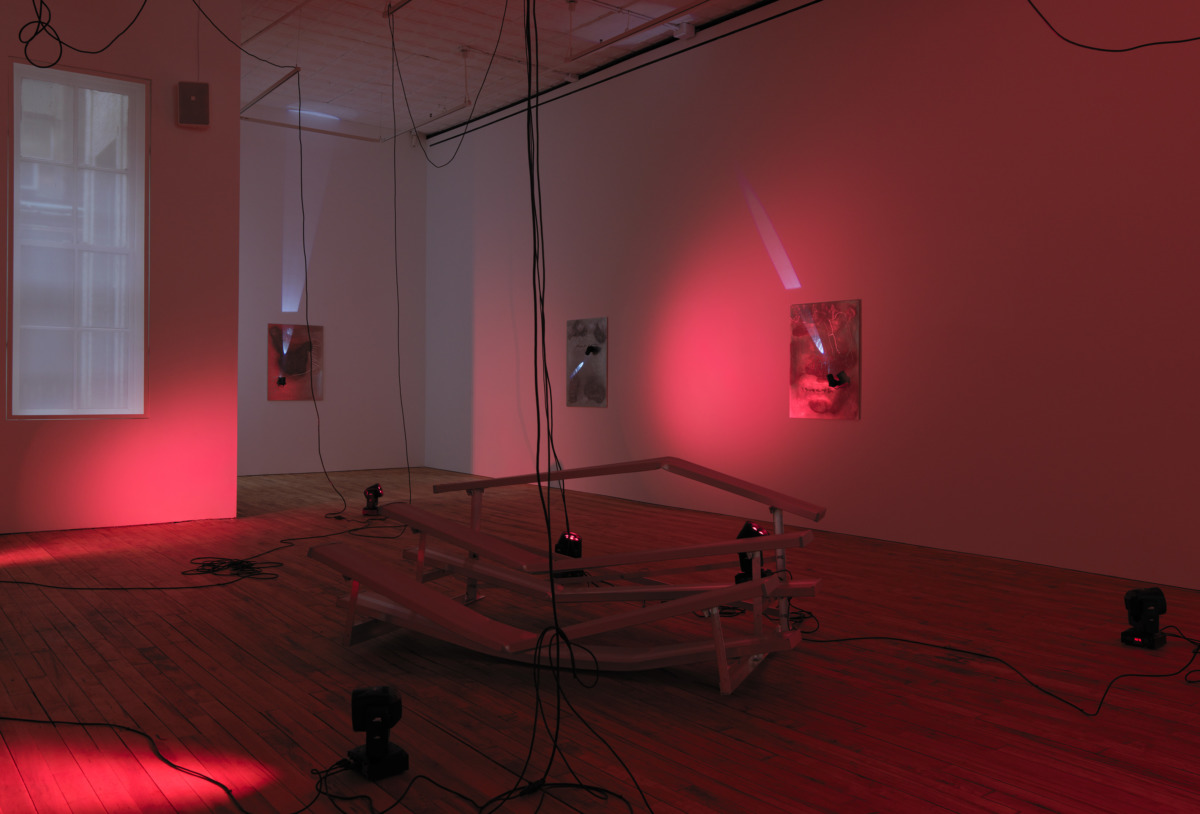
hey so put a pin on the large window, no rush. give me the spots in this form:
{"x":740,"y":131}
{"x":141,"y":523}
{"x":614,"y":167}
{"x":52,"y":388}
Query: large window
{"x":78,"y":264}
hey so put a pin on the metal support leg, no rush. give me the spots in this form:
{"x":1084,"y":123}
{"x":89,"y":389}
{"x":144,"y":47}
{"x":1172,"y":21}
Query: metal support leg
{"x":730,"y":674}
{"x":471,"y":594}
{"x":784,"y":603}
{"x":420,"y":560}
{"x":476,"y":507}
{"x":757,"y":603}
{"x":723,"y":677}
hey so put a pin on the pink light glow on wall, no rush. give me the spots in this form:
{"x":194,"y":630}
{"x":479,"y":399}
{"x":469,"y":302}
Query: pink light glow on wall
{"x":713,"y":361}
{"x":83,"y":474}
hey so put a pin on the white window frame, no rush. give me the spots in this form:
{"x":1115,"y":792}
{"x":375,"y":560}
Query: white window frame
{"x":127,"y":375}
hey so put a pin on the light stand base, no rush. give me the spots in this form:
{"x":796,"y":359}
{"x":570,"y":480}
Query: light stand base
{"x":393,"y":763}
{"x":1135,"y":638}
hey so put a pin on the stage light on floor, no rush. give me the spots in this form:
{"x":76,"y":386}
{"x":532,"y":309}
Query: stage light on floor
{"x":1145,"y":605}
{"x":746,"y":558}
{"x":375,"y":710}
{"x":569,"y":545}
{"x":372,"y":493}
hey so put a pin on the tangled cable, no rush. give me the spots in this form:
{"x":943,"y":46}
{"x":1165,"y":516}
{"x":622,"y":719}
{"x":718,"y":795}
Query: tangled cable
{"x":40,"y":26}
{"x":231,"y":567}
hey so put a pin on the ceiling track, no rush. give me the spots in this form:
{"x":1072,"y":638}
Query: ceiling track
{"x":657,"y":21}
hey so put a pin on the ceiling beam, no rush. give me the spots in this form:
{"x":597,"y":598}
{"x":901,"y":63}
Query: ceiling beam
{"x":263,"y":95}
{"x":271,"y":25}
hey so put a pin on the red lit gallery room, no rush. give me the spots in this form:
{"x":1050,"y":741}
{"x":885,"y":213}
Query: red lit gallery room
{"x":600,"y":406}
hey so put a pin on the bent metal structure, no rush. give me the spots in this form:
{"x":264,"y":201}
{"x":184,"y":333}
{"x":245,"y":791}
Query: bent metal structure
{"x":392,"y":595}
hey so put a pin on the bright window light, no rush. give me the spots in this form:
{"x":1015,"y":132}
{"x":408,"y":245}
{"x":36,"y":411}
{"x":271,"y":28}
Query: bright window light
{"x":78,"y":263}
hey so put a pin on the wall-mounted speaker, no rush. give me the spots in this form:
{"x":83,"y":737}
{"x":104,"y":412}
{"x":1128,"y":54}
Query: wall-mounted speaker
{"x":192,"y":107}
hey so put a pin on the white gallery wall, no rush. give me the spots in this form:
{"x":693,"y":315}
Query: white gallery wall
{"x":1016,"y":215}
{"x":374,"y":336}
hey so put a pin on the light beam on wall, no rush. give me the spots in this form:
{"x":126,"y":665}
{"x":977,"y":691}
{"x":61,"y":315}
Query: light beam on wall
{"x":770,"y":238}
{"x":811,"y":325}
{"x":311,"y":179}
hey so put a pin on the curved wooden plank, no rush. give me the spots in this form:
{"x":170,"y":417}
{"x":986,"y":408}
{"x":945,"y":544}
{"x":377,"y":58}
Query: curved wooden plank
{"x":483,"y":632}
{"x":402,"y":599}
{"x":704,"y":600}
{"x":608,"y":658}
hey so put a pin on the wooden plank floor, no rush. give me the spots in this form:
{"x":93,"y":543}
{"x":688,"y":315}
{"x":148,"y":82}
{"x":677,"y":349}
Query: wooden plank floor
{"x":250,"y":683}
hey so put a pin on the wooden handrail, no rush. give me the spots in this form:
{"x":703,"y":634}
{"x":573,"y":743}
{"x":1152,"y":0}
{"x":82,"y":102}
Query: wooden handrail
{"x":676,"y":466}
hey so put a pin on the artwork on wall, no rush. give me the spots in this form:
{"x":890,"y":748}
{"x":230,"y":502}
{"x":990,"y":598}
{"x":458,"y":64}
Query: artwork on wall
{"x":825,"y":360}
{"x":587,"y":362}
{"x":295,"y":362}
